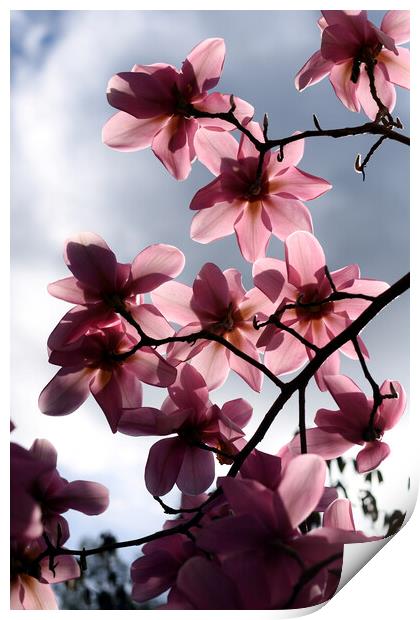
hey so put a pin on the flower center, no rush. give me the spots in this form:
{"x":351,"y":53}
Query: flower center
{"x":226,"y":324}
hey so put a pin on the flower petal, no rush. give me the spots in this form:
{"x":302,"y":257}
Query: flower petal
{"x":202,"y":68}
{"x":155,"y":265}
{"x":253,"y":231}
{"x":163,"y":465}
{"x":397,"y":67}
{"x":346,"y":90}
{"x":305,"y":259}
{"x":197,"y":471}
{"x":313,"y":71}
{"x":66,"y":391}
{"x":372,"y":456}
{"x":124,"y":132}
{"x":212,"y":147}
{"x":173,"y":145}
{"x":397,"y":25}
{"x":287,"y":216}
{"x":91,"y":261}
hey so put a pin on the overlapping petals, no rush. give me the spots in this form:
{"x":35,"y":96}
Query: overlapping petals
{"x":93,"y":364}
{"x":218,"y":303}
{"x":188,"y":413}
{"x":156,"y":103}
{"x":357,"y":422}
{"x":101,"y":286}
{"x":302,"y":280}
{"x":254,"y":204}
{"x":349,"y":41}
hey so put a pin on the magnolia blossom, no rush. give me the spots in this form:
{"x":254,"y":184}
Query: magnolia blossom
{"x":39,"y":498}
{"x":251,"y":204}
{"x":189,"y":413}
{"x":301,"y":279}
{"x":338,"y":431}
{"x":218,"y":303}
{"x":91,"y":365}
{"x":101,"y":287}
{"x":157,"y":100}
{"x":261,"y":548}
{"x":349,"y":41}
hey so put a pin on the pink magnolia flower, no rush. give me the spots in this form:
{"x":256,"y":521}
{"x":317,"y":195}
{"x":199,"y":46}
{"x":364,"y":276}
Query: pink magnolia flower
{"x":53,"y":495}
{"x":338,"y":431}
{"x":218,"y":303}
{"x":90,"y":365}
{"x":189,"y":414}
{"x":57,"y":495}
{"x":156,"y":103}
{"x":302,"y":278}
{"x":348,"y":41}
{"x":101,"y":287}
{"x":261,"y":548}
{"x":254,"y":207}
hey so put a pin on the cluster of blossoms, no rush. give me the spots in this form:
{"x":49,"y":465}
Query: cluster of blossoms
{"x":39,"y":496}
{"x":249,"y":543}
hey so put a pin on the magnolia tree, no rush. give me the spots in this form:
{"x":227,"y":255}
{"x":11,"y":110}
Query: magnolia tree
{"x":249,"y":541}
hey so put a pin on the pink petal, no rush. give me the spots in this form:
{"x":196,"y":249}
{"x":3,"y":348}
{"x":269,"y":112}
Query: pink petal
{"x":203,"y":65}
{"x":302,"y":486}
{"x":66,"y":567}
{"x":66,"y":391}
{"x":69,"y":289}
{"x":173,"y":300}
{"x":212,"y":363}
{"x":249,"y":373}
{"x":305,"y":259}
{"x":325,"y":444}
{"x":331,"y":366}
{"x":269,"y":276}
{"x":155,"y":265}
{"x":345,"y":276}
{"x":197,"y":471}
{"x":153,"y":574}
{"x":206,"y":585}
{"x":391,"y":409}
{"x":349,"y":427}
{"x":249,"y":497}
{"x":397,"y":25}
{"x":238,"y":411}
{"x":287,"y":357}
{"x":91,"y":498}
{"x":140,"y":421}
{"x":78,"y":321}
{"x":397,"y":67}
{"x":339,"y":515}
{"x":189,"y":390}
{"x":91,"y":261}
{"x":163,"y":465}
{"x":385,"y":90}
{"x":264,"y":468}
{"x":173,"y":145}
{"x":45,"y":452}
{"x":344,"y":88}
{"x":115,"y":390}
{"x":253,"y":231}
{"x":150,"y":367}
{"x":216,"y":222}
{"x":209,"y":196}
{"x":151,"y":321}
{"x":255,"y":303}
{"x":210,"y":292}
{"x":235,"y":285}
{"x":124,"y":132}
{"x":348,"y":396}
{"x":28,"y":593}
{"x":143,"y":95}
{"x":246,"y":147}
{"x":372,"y":456}
{"x":287,"y":216}
{"x":212,"y":147}
{"x":296,"y":184}
{"x":313,"y":71}
{"x":354,"y":307}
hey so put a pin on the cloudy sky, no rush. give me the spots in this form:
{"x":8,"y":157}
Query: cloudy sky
{"x":65,"y":180}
